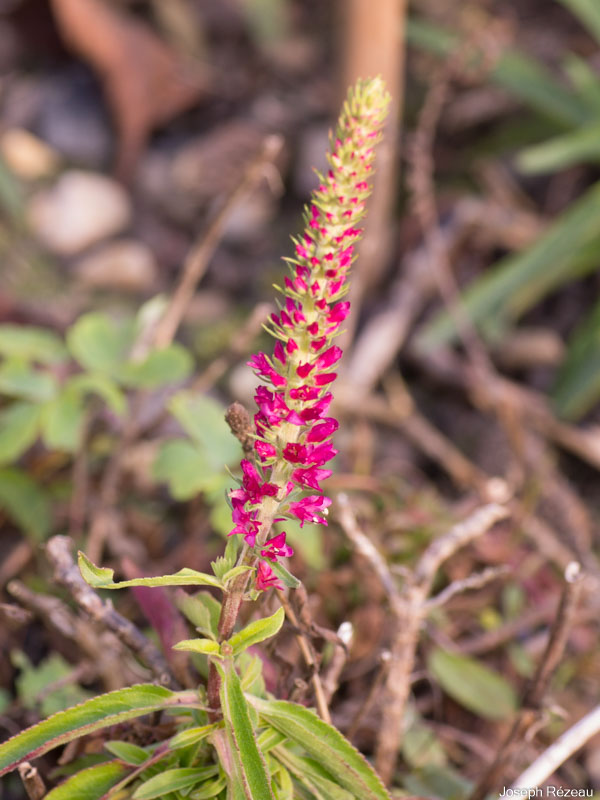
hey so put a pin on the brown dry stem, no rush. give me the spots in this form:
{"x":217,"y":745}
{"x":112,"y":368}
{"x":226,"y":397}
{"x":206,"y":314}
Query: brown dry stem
{"x":536,"y":690}
{"x":409,"y":608}
{"x":67,"y":574}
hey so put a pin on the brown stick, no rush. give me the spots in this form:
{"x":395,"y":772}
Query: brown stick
{"x":536,"y":690}
{"x":32,"y":781}
{"x":67,"y":574}
{"x":308,"y":656}
{"x":373,"y":43}
{"x":409,"y":608}
{"x":199,"y":257}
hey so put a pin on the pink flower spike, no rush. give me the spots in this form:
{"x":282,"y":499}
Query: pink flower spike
{"x":266,"y":578}
{"x":277,"y":548}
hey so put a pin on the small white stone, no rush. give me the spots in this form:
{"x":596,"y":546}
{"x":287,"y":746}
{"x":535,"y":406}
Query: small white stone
{"x":82,"y":208}
{"x":126,"y":265}
{"x":27,"y":156}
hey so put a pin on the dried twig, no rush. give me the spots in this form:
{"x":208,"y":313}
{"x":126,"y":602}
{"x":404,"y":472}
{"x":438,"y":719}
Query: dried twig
{"x":554,"y":756}
{"x":308,"y":655}
{"x":536,"y":690}
{"x":15,"y":561}
{"x":331,"y":674}
{"x":409,"y":608}
{"x":471,"y":582}
{"x":104,"y":651}
{"x":67,"y":574}
{"x":199,"y":257}
{"x":32,"y":781}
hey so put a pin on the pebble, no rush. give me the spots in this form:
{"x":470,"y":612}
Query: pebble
{"x":72,"y":118}
{"x":80,"y":209}
{"x":27,"y":156}
{"x":126,"y":265}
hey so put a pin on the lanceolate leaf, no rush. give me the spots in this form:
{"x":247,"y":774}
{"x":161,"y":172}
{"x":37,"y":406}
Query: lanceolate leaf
{"x":99,"y":712}
{"x":192,"y":735}
{"x":127,"y":752}
{"x":285,"y":576}
{"x":327,"y":745}
{"x":102,"y":577}
{"x":206,"y":646}
{"x":250,"y":768}
{"x":25,"y":502}
{"x":257,"y":631}
{"x":312,"y":775}
{"x":89,"y":784}
{"x":568,"y":250}
{"x":174,"y":780}
{"x":577,"y":386}
{"x":588,"y":12}
{"x":520,"y":75}
{"x":473,"y":685}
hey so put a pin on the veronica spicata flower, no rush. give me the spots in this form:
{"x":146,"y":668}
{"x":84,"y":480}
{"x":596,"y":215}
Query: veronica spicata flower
{"x":291,"y":426}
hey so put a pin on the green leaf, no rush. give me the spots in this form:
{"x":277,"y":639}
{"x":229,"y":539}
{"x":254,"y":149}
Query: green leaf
{"x":102,"y":577}
{"x":185,"y":469}
{"x":18,"y":379}
{"x":285,"y":576}
{"x":19,"y":424}
{"x":128,"y":753}
{"x":192,"y":735}
{"x":420,"y":745}
{"x":250,"y":768}
{"x":203,"y":611}
{"x":326,"y":744}
{"x":523,"y":77}
{"x":209,"y":789}
{"x":99,"y":343}
{"x":99,"y":712}
{"x":567,"y":250}
{"x":257,"y":631}
{"x":577,"y":386}
{"x":89,"y":784}
{"x":579,"y":146}
{"x":62,"y":422}
{"x":234,"y":572}
{"x":169,"y":365}
{"x":585,"y":80}
{"x":203,"y":419}
{"x":31,"y":344}
{"x":310,"y":773}
{"x":173,"y":780}
{"x":588,"y":13}
{"x":35,"y":684}
{"x":225,"y":563}
{"x":25,"y":502}
{"x":101,"y":385}
{"x":439,"y":782}
{"x":473,"y":685}
{"x":206,"y":646}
